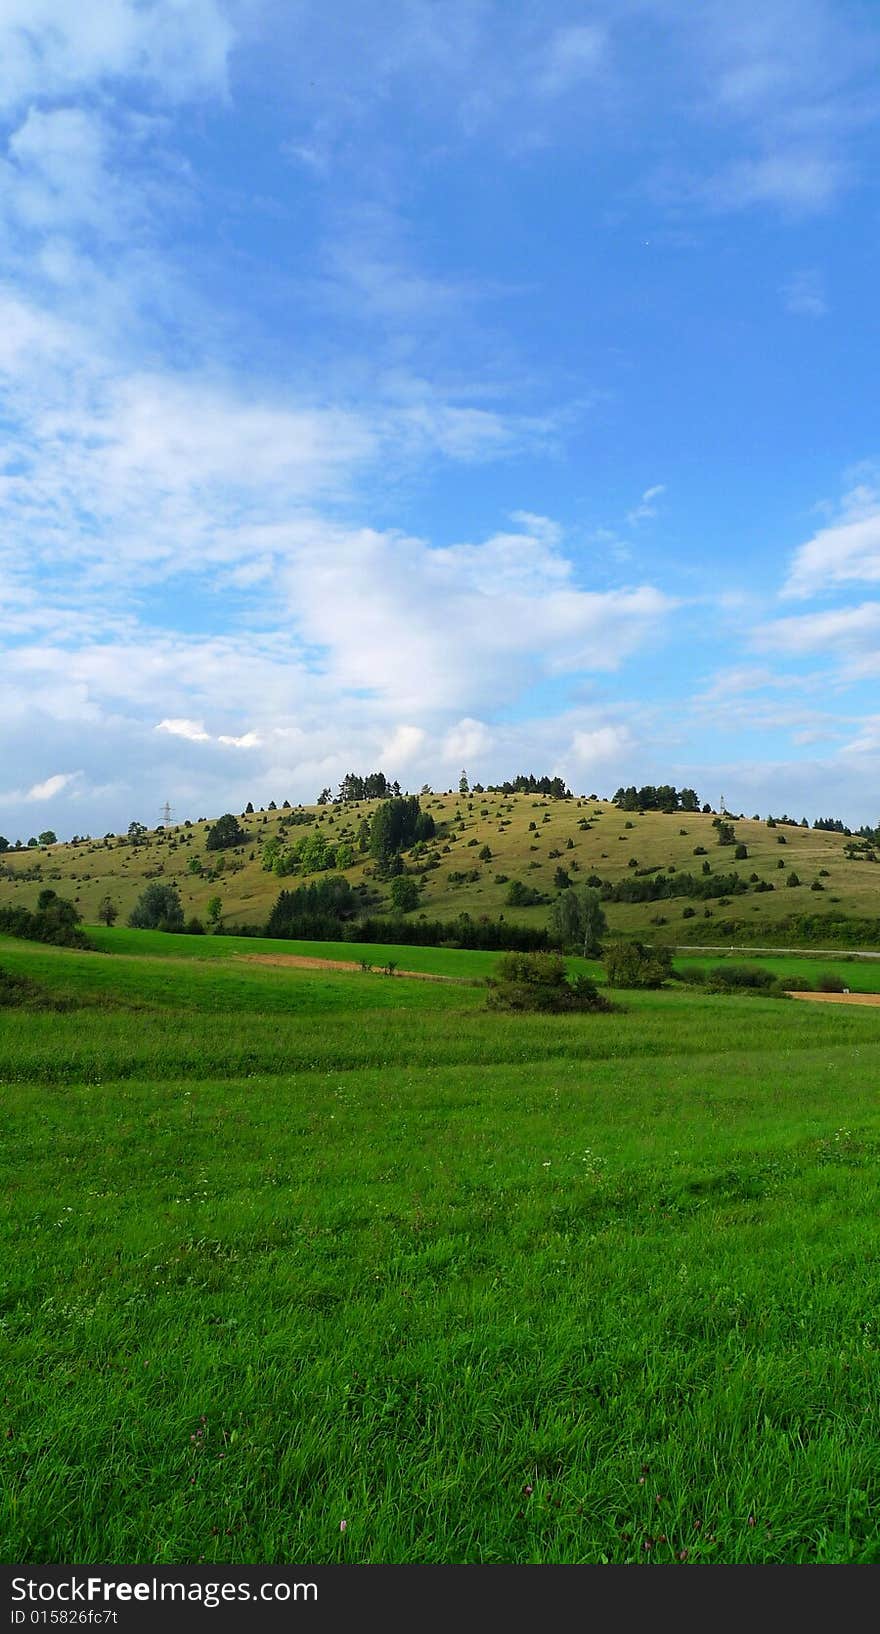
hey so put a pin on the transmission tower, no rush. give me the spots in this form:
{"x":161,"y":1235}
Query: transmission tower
{"x":722,"y":807}
{"x":167,"y":814}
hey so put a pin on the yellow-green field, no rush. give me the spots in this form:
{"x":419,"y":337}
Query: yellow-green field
{"x":91,"y":869}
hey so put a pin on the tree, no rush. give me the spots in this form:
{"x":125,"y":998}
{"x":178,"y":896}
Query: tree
{"x":404,"y":893}
{"x":48,"y":837}
{"x":225,"y":832}
{"x":577,"y":920}
{"x":631,"y":964}
{"x":215,"y":910}
{"x":4,"y":843}
{"x":157,"y":908}
{"x":108,"y":913}
{"x":137,"y":833}
{"x":463,"y":784}
{"x":396,"y":825}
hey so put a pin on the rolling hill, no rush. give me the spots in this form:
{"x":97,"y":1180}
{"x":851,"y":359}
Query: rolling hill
{"x":790,"y":872}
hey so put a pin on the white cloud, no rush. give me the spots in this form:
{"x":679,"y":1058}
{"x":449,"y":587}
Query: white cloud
{"x":466,"y":740}
{"x":570,"y":56}
{"x":850,"y":634}
{"x":404,"y":746}
{"x":646,"y":507}
{"x":193,"y":731}
{"x":602,"y":747}
{"x":847,"y":552}
{"x":433,"y":629}
{"x":799,"y":181}
{"x":804,"y":295}
{"x":50,"y":49}
{"x":52,"y":786}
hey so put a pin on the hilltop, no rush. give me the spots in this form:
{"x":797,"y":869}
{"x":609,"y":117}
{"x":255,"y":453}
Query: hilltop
{"x":487,"y":842}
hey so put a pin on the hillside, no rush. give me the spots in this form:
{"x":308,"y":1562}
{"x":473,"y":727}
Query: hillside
{"x":530,"y":837}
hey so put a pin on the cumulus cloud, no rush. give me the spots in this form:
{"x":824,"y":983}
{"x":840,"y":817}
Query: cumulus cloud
{"x":847,"y":551}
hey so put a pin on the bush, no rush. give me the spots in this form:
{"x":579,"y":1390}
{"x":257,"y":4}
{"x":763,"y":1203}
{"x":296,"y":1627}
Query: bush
{"x":522,"y":896}
{"x":631,"y":964}
{"x":830,"y":982}
{"x":157,"y":908}
{"x":726,"y":976}
{"x":539,"y":982}
{"x":56,"y":921}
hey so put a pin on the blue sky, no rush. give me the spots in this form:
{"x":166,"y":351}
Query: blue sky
{"x":428,"y":384}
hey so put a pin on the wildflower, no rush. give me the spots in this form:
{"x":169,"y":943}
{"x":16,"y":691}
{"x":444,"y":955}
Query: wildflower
{"x":343,"y":1525}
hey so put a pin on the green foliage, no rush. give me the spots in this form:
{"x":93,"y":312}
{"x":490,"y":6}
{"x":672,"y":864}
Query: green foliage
{"x":56,"y":921}
{"x":320,"y":908}
{"x":108,"y":912}
{"x":577,"y":921}
{"x":404,"y":893}
{"x":631,"y":964}
{"x":522,"y":896}
{"x":540,"y":982}
{"x":157,"y":908}
{"x":227,"y":831}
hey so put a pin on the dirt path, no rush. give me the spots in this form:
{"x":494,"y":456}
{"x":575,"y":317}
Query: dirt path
{"x":838,"y":998}
{"x":302,"y":961}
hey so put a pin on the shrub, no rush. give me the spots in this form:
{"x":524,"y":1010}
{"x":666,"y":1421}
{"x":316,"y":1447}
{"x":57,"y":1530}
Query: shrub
{"x":631,"y":964}
{"x":56,"y":921}
{"x":522,"y":896}
{"x":539,"y":982}
{"x":830,"y":982}
{"x":733,"y":978}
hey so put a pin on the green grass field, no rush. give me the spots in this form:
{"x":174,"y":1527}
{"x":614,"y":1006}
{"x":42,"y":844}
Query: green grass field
{"x":283,"y":1248}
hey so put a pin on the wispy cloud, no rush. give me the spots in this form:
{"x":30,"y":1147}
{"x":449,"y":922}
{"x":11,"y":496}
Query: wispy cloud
{"x":844,"y":553}
{"x":647,"y":506}
{"x":804,"y":294}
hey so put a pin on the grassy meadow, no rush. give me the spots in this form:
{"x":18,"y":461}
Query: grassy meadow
{"x":286,"y":1247}
{"x":529,"y":836}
